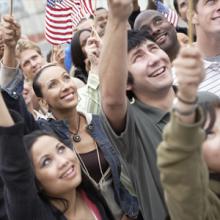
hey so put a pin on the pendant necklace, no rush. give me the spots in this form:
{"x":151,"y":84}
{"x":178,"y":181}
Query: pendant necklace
{"x":99,"y":185}
{"x":76,"y":136}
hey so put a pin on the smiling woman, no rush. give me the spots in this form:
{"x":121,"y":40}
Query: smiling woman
{"x":53,"y":184}
{"x":99,"y":161}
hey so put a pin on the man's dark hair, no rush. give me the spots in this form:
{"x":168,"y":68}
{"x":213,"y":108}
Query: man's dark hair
{"x":130,"y":81}
{"x":135,"y":39}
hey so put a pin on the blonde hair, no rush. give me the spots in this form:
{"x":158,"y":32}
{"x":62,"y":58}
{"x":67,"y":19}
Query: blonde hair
{"x":24,"y":44}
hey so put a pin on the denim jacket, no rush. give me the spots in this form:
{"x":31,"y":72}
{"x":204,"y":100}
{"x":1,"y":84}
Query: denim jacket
{"x":126,"y":201}
{"x":11,"y":80}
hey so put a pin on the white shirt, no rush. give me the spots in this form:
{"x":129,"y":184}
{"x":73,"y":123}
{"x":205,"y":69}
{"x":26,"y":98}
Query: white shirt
{"x":211,"y":83}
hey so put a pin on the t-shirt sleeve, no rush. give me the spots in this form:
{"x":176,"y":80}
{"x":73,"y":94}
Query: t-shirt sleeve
{"x":124,"y":142}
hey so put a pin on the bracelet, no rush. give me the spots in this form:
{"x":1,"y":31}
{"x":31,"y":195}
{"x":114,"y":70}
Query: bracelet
{"x":187,"y":102}
{"x":185,"y":113}
{"x":182,"y":112}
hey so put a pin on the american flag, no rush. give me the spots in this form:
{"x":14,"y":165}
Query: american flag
{"x":62,"y":16}
{"x":170,"y":14}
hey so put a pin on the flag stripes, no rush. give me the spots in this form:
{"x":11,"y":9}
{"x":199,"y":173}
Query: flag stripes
{"x":61,"y":16}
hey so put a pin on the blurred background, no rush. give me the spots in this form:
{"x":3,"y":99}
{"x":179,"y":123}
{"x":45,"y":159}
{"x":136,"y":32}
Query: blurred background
{"x":30,"y":14}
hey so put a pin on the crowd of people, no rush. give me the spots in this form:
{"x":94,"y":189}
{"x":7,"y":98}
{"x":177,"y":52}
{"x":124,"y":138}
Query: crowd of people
{"x":122,"y":124}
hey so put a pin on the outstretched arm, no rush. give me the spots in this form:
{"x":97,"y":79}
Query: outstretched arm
{"x":89,"y":100}
{"x":183,"y":172}
{"x":113,"y":64}
{"x":10,"y":74}
{"x":20,"y":196}
{"x":12,"y":33}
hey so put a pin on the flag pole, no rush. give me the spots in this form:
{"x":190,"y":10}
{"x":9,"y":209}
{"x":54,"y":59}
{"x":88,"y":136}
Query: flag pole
{"x":95,"y":5}
{"x":11,"y":7}
{"x":190,"y":25}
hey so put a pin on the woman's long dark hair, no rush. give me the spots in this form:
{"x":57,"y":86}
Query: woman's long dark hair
{"x":78,"y":57}
{"x":85,"y":185}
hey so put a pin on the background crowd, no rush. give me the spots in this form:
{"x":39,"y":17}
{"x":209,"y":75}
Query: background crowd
{"x":121,"y":122}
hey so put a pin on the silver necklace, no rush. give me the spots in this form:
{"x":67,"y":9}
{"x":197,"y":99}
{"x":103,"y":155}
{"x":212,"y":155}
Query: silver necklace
{"x":85,"y":170}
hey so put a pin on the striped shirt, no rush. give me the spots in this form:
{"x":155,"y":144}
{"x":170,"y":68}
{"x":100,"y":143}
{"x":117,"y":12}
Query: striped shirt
{"x":211,"y":83}
{"x":89,"y":95}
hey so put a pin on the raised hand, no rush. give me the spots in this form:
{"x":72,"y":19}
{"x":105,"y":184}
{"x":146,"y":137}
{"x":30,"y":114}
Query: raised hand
{"x":11,"y":31}
{"x":58,"y":55}
{"x":120,"y":9}
{"x":92,"y":49}
{"x":189,"y":72}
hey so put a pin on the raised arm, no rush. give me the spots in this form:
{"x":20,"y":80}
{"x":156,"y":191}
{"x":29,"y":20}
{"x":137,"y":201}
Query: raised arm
{"x":10,"y":75}
{"x":16,"y":172}
{"x":183,"y":172}
{"x":89,"y":94}
{"x":113,"y":63}
{"x":11,"y":78}
{"x":12,"y":33}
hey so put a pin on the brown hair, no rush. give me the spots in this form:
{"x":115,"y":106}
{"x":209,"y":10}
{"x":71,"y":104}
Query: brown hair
{"x":24,"y":44}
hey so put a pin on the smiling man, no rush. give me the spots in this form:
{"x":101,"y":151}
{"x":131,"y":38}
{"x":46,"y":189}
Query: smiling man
{"x":163,"y":32}
{"x":137,"y":65}
{"x":206,"y":19}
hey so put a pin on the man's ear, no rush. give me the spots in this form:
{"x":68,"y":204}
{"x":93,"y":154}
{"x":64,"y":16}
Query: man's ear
{"x":44,"y":107}
{"x":129,"y":87}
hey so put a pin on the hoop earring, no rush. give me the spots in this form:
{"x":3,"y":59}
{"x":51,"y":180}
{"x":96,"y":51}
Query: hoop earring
{"x":132,"y":101}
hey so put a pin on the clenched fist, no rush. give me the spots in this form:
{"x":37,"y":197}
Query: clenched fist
{"x":189,"y":72}
{"x":120,"y":9}
{"x":11,"y":31}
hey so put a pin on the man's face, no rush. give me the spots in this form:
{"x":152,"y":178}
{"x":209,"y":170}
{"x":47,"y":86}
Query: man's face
{"x":207,"y":16}
{"x":31,"y":61}
{"x":101,"y":17}
{"x":150,"y":67}
{"x":163,"y":33}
